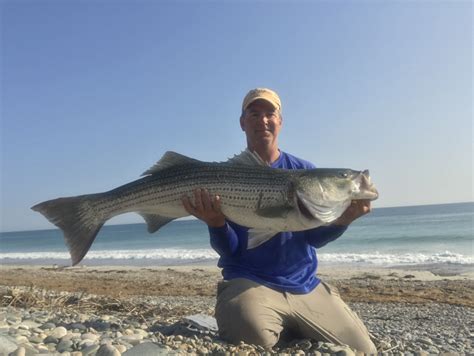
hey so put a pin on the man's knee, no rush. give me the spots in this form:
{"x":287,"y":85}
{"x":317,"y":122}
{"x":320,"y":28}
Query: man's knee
{"x":248,"y":331}
{"x":244,"y":312}
{"x":237,"y":322}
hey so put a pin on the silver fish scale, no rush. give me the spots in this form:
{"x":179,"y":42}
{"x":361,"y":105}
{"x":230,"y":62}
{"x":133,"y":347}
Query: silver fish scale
{"x":265,"y":199}
{"x":239,"y":186}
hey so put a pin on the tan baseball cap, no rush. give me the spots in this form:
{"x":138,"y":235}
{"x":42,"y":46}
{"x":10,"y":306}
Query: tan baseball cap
{"x":264,"y":94}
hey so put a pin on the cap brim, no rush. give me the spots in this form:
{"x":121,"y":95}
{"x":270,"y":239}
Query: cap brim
{"x":261,"y":98}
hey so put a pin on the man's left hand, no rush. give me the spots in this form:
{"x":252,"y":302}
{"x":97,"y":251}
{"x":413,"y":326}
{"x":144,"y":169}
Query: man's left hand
{"x":357,"y":209}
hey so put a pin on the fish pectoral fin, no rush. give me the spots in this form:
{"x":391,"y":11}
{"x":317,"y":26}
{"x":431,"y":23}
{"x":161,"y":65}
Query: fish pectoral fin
{"x":248,"y":158}
{"x":155,"y":221}
{"x":256,"y":237}
{"x":278,"y":211}
{"x":324,"y":213}
{"x":170,"y":159}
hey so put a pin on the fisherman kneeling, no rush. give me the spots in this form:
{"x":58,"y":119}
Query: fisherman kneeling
{"x":272,"y":289}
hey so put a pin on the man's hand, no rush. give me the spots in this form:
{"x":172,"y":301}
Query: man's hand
{"x":206,"y":208}
{"x":357,"y":209}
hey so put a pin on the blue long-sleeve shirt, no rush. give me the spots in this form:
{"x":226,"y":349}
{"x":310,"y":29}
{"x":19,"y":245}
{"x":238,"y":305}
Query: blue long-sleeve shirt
{"x":286,"y":262}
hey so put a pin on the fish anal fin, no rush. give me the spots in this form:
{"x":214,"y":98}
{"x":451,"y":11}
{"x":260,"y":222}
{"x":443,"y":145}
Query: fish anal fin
{"x":155,"y":221}
{"x":170,"y":159}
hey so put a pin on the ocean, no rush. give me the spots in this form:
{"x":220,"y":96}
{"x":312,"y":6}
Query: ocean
{"x":414,"y":235}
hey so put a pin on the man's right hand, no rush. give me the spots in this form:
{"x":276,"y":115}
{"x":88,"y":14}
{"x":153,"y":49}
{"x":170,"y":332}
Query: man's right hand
{"x":206,"y":208}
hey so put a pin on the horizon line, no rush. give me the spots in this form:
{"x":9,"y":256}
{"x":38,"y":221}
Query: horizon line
{"x":194,"y":218}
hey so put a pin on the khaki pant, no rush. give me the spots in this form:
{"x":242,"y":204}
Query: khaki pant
{"x":247,"y":311}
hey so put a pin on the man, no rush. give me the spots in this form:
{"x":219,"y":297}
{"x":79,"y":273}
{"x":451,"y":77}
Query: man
{"x":272,"y":289}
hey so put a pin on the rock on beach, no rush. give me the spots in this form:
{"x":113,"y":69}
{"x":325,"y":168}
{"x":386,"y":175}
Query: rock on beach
{"x":405,"y":316}
{"x":398,"y":327}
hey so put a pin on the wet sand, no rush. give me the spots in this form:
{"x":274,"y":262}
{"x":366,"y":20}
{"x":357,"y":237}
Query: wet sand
{"x":355,"y":284}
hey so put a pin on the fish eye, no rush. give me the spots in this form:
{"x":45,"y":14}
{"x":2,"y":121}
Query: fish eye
{"x":343,"y":175}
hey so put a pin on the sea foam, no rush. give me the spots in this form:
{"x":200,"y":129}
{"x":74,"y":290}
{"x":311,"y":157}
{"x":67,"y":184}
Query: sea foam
{"x":182,"y":256}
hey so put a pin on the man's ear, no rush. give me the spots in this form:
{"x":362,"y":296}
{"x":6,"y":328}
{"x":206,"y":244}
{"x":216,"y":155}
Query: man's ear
{"x":242,"y":124}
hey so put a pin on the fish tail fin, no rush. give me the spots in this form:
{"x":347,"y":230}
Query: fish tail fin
{"x":79,"y":223}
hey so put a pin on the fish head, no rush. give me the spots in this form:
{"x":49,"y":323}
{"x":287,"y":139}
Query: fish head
{"x":324,"y":194}
{"x":337,"y":184}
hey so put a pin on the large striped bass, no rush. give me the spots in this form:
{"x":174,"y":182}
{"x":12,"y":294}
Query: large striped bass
{"x":267,"y":200}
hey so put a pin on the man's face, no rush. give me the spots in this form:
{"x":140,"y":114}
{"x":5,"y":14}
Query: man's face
{"x":261,"y":122}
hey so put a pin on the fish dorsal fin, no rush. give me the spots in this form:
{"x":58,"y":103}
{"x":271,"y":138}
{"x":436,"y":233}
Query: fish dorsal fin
{"x":248,"y":158}
{"x":170,"y":159}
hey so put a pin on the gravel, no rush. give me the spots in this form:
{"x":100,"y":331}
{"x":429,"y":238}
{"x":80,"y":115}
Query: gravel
{"x":397,"y":328}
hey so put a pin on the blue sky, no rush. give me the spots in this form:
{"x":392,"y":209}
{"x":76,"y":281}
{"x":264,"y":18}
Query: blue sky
{"x":94,"y":92}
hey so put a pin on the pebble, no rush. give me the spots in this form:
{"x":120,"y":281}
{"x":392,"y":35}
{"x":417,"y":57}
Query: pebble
{"x":203,"y":351}
{"x":425,"y":340}
{"x":21,"y":351}
{"x":147,"y":349}
{"x":30,"y":324}
{"x":89,"y":350}
{"x":132,"y":339}
{"x":404,"y":329}
{"x":59,"y":332}
{"x":51,"y":340}
{"x":305,"y":345}
{"x":77,"y":326}
{"x":36,"y":339}
{"x":47,"y":326}
{"x":142,"y":333}
{"x":107,"y":350}
{"x":100,"y":325}
{"x":64,"y":345}
{"x":21,"y":339}
{"x":121,"y":348}
{"x":89,"y":336}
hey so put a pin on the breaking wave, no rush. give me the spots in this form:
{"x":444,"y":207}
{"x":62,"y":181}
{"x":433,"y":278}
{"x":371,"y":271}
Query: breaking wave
{"x":396,"y":259}
{"x":171,"y":256}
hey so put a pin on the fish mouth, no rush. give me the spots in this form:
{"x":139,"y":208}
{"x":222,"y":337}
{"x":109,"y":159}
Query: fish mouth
{"x":372,"y":195}
{"x":366,"y":189}
{"x":375,"y":193}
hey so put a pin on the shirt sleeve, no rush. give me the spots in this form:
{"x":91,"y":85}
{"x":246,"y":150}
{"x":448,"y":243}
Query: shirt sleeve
{"x":322,"y":235}
{"x":224,"y":240}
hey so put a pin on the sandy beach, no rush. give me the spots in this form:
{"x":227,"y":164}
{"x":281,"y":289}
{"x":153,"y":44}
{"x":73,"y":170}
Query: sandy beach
{"x":355,"y":284}
{"x":157,"y":298}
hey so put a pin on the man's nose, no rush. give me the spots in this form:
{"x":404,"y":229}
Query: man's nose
{"x":263,"y":116}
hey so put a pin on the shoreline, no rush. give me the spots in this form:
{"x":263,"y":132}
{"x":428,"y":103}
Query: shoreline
{"x":334,"y":269}
{"x":356,"y":284}
{"x":450,"y":267}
